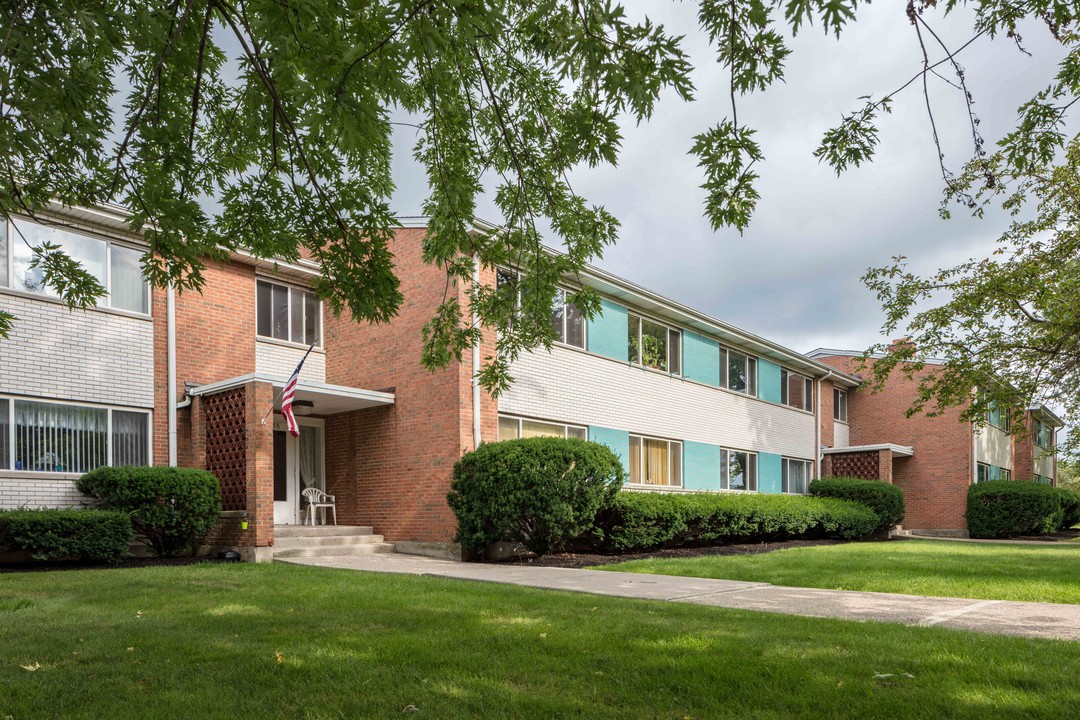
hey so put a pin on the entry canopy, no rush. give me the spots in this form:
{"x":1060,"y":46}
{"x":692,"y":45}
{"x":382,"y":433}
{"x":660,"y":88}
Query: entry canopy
{"x":326,"y":399}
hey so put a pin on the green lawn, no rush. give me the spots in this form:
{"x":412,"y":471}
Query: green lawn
{"x":916,"y":567}
{"x":217,"y":641}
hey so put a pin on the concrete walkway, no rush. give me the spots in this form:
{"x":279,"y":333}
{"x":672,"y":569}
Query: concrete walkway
{"x":1027,"y":619}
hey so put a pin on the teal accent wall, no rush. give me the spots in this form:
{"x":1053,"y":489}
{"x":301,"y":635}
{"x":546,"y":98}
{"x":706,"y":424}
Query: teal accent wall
{"x":701,"y":359}
{"x":770,"y":478}
{"x":607,"y":331}
{"x":768,"y":380}
{"x":617,"y":440}
{"x":995,"y":472}
{"x":701,"y":466}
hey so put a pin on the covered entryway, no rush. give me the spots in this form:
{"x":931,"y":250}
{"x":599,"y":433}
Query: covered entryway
{"x":299,"y":464}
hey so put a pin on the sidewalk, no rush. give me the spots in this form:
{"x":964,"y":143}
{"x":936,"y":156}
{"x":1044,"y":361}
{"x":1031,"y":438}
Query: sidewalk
{"x":1042,"y":620}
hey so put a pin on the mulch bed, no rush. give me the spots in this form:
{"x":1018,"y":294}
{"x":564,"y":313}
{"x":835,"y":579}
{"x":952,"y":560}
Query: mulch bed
{"x":580,"y":560}
{"x":129,"y":563}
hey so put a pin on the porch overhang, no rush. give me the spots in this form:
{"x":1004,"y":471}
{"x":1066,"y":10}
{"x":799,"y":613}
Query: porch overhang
{"x":897,"y":450}
{"x":326,"y":399}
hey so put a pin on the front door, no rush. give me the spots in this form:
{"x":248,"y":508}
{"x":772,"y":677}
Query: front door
{"x":298,"y":464}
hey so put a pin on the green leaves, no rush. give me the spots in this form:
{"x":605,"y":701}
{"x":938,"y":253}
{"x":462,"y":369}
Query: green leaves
{"x":853,"y":141}
{"x":727,"y":153}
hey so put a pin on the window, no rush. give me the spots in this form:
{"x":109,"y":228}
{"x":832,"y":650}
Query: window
{"x":654,"y":345}
{"x":655,"y":462}
{"x":512,"y":428}
{"x":796,"y":390}
{"x":53,"y":437}
{"x":1006,"y":474}
{"x":117,"y":267}
{"x":796,"y":475}
{"x":1043,"y":480}
{"x":738,"y":470}
{"x":997,"y":417}
{"x":1044,"y":435}
{"x":839,"y":411}
{"x":567,"y":321}
{"x":982,"y":473}
{"x":286,"y":313}
{"x":738,"y":371}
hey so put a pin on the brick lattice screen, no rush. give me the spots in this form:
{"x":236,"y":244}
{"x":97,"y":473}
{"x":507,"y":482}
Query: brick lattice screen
{"x":857,"y":464}
{"x":226,"y":445}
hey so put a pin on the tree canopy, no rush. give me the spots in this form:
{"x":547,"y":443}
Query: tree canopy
{"x":266,"y":125}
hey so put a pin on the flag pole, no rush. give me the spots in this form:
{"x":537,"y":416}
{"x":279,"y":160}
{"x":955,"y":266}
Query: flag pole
{"x":280,"y":392}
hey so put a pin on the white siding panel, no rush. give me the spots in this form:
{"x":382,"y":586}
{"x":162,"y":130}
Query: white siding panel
{"x":1044,"y":462}
{"x":841,"y":435}
{"x":994,"y":447}
{"x":280,"y":360}
{"x":32,"y":493}
{"x":584,"y":389}
{"x":85,"y":355}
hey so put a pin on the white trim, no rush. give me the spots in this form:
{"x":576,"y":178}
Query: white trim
{"x":901,"y":450}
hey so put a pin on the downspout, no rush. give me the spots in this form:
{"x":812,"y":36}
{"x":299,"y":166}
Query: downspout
{"x":817,"y":427}
{"x":476,"y":434}
{"x":170,"y":342}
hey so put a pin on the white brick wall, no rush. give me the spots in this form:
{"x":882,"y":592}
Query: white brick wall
{"x":90,"y":355}
{"x":586,"y":389}
{"x":993,"y":447}
{"x":274,"y":359}
{"x":37,"y":492}
{"x":841,"y":435}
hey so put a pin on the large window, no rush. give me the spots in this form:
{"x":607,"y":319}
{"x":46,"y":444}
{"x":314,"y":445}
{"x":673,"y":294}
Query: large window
{"x":54,"y":437}
{"x":655,"y":462}
{"x":998,"y":417}
{"x":512,"y":428}
{"x":982,"y":473}
{"x":1044,"y":435}
{"x":738,"y":470}
{"x":287,"y":313}
{"x":796,"y":390}
{"x":796,"y":475}
{"x":654,"y":345}
{"x":567,"y":321}
{"x":738,"y":372}
{"x":117,"y":267}
{"x":839,"y":411}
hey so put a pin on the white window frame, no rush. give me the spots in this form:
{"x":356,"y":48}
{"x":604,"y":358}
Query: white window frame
{"x":7,"y":282}
{"x":289,"y":318}
{"x":838,"y":396}
{"x":12,"y":399}
{"x":1040,"y":426}
{"x":808,"y":390}
{"x":671,"y":331}
{"x":725,"y":470}
{"x":671,"y":462}
{"x":564,"y":295}
{"x":785,"y":464}
{"x":1005,"y":422}
{"x":565,"y":426}
{"x":983,"y":469}
{"x":751,"y":371}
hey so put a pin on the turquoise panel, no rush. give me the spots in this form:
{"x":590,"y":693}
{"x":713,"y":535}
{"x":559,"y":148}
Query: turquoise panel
{"x":995,"y":472}
{"x":770,"y":471}
{"x":701,"y":466}
{"x":701,"y":359}
{"x":768,"y":380}
{"x":607,"y":331}
{"x":617,"y":440}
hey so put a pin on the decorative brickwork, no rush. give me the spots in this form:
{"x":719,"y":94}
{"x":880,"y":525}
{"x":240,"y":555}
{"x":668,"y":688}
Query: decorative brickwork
{"x":226,"y":445}
{"x":865,"y":465}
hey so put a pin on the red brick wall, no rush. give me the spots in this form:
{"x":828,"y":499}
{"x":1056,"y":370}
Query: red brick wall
{"x":1023,"y":451}
{"x":391,"y":467}
{"x":936,"y":479}
{"x":828,"y":437}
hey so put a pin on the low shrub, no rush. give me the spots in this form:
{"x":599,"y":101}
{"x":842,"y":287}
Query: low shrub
{"x":172,"y":508}
{"x":1006,"y":508}
{"x":541,"y":492}
{"x":645,"y":521}
{"x":101,"y":535}
{"x":1070,"y":507}
{"x":886,"y":500}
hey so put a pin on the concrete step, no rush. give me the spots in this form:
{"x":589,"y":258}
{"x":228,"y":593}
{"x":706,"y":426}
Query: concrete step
{"x":324,"y":540}
{"x":332,"y":550}
{"x":283,"y":531}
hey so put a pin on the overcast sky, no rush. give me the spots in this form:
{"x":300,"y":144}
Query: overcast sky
{"x":793,"y":277}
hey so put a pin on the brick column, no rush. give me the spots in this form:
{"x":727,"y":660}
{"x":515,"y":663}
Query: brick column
{"x":260,"y":467}
{"x":885,"y":458}
{"x":1023,"y":452}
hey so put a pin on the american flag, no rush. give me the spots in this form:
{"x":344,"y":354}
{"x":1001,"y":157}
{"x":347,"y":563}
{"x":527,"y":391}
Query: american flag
{"x":287,"y":399}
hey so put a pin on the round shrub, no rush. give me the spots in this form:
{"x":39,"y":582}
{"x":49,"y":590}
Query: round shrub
{"x":172,"y":508}
{"x":541,"y":492}
{"x":1070,"y":507}
{"x":885,"y":499}
{"x":1006,"y":508}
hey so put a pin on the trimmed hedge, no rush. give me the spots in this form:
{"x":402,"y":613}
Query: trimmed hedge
{"x":885,"y":499}
{"x":541,"y":492}
{"x":646,"y":521}
{"x":102,"y":535}
{"x":1006,"y":508}
{"x":172,"y":508}
{"x":1070,"y":507}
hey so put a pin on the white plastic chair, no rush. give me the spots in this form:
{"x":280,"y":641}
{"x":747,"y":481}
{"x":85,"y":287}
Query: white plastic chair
{"x":317,"y":499}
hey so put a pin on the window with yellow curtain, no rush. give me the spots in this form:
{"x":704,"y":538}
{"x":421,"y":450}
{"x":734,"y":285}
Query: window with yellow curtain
{"x":655,"y":462}
{"x":512,"y":428}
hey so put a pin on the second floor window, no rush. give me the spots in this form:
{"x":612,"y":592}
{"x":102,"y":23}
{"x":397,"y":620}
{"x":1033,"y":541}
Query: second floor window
{"x":839,"y":408}
{"x":567,"y":321}
{"x":1044,"y":435}
{"x":796,"y":390}
{"x":738,"y":372}
{"x":287,"y":313}
{"x":998,"y":417}
{"x":653,"y":345}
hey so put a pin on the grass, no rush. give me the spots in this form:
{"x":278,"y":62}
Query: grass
{"x":915,"y":567}
{"x":215,"y":641}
